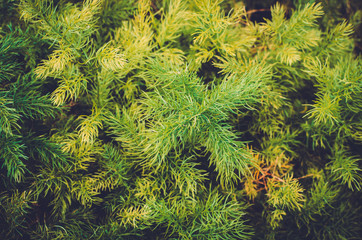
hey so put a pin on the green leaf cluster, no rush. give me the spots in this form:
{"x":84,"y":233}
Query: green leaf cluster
{"x":172,"y":119}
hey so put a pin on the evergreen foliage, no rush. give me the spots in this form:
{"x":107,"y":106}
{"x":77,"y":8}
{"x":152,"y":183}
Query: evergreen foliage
{"x":172,"y":119}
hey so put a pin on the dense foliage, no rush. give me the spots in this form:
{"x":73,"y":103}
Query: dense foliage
{"x":125,"y":119}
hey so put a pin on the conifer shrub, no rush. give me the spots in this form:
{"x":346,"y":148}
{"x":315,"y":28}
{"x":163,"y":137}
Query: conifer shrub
{"x":125,"y":119}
